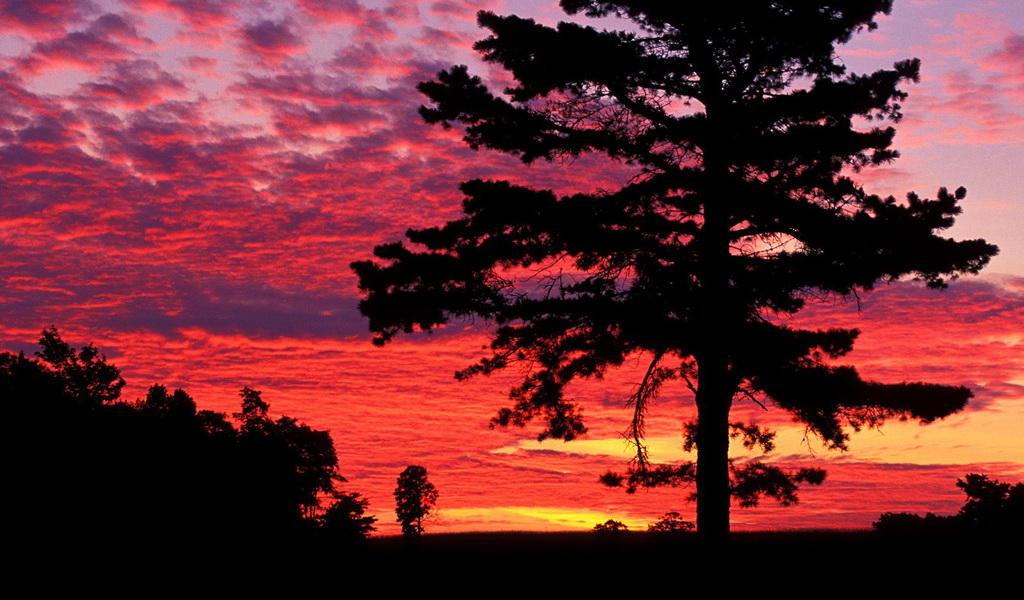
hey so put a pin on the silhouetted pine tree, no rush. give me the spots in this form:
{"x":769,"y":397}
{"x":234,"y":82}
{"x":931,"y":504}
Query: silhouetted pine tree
{"x":741,"y":124}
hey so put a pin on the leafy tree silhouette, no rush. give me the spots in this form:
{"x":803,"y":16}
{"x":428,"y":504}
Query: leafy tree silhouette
{"x":992,"y":505}
{"x":742,"y":124}
{"x":671,"y":522}
{"x":415,"y":498}
{"x":142,"y":473}
{"x":345,"y":519}
{"x":290,"y":464}
{"x":86,"y":376}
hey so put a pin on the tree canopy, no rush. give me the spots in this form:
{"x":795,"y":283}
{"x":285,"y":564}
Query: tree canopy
{"x":743,"y":128}
{"x":86,"y":375}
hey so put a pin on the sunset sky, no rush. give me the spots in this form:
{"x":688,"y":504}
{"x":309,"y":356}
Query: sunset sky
{"x":185,"y":182}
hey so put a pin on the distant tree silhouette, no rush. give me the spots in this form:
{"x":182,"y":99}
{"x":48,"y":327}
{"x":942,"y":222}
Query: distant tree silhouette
{"x":611,"y":526}
{"x":992,"y":507}
{"x":741,"y":124}
{"x":904,"y":523}
{"x":671,"y":522}
{"x":414,"y":499}
{"x":94,"y":468}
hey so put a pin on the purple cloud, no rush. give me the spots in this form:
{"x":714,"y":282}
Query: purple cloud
{"x":272,"y":41}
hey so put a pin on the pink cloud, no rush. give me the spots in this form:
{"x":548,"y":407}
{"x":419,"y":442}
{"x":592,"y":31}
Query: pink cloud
{"x":461,"y":10}
{"x":1007,"y":64}
{"x":976,"y":111}
{"x":978,"y":28}
{"x":199,"y":14}
{"x":368,"y":59}
{"x":203,"y":66}
{"x":334,"y":12}
{"x":444,"y":38}
{"x":977,"y":102}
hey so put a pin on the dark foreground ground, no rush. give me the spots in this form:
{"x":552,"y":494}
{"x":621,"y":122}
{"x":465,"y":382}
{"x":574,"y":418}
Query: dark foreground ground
{"x":816,"y":563}
{"x":824,"y":564}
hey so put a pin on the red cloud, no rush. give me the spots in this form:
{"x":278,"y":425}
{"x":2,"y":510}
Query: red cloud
{"x":108,"y":38}
{"x":42,"y":18}
{"x":134,"y":84}
{"x":19,"y":107}
{"x":202,"y":65}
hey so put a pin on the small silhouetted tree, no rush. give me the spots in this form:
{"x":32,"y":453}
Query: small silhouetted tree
{"x":611,"y":526}
{"x":414,"y":499}
{"x":740,"y":124}
{"x":671,"y":522}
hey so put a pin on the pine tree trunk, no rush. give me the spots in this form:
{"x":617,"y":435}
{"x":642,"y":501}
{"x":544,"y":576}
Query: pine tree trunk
{"x":715,"y":387}
{"x":714,"y":399}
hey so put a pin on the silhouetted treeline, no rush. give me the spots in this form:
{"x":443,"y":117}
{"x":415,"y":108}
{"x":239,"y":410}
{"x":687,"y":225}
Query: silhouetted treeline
{"x":93,"y":470}
{"x":992,"y":508}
